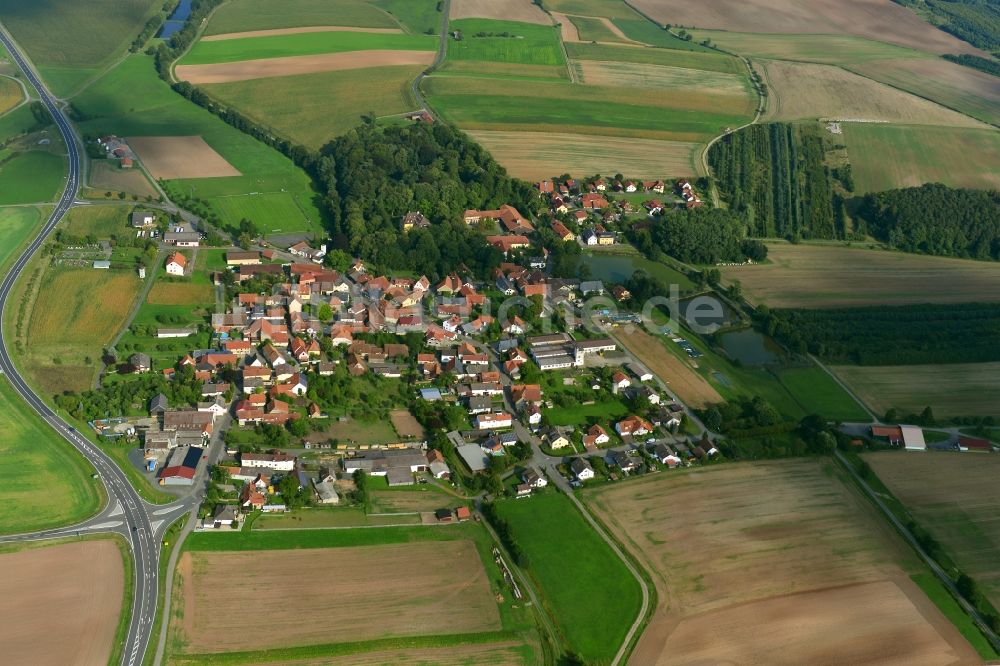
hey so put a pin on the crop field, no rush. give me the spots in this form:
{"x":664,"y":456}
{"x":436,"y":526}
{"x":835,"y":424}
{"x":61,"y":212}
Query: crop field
{"x":307,"y":43}
{"x":884,"y":157}
{"x":297,"y":31}
{"x":180,"y":293}
{"x":106,"y":176}
{"x":823,"y":276}
{"x":609,"y":8}
{"x":132,"y":100}
{"x":709,"y":62}
{"x":961,"y":88}
{"x":818,"y":393}
{"x":31,"y":177}
{"x":69,"y":41}
{"x":829,"y":49}
{"x":810,"y":90}
{"x":246,"y":70}
{"x":563,"y":107}
{"x":172,"y":157}
{"x":46,"y":482}
{"x":641,"y":75}
{"x":536,"y":156}
{"x":501,"y":70}
{"x":594,"y":29}
{"x":781,"y":553}
{"x":880,"y":20}
{"x":98,"y":221}
{"x":11,"y":94}
{"x":245,"y":15}
{"x":422,"y":17}
{"x":393,"y":589}
{"x":693,"y":389}
{"x":524,"y":11}
{"x":953,"y":496}
{"x":312,"y":109}
{"x":526,"y":43}
{"x":959,"y":389}
{"x":576,"y":573}
{"x":64,"y":601}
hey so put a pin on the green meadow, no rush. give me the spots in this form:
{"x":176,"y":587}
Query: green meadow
{"x":576,"y":573}
{"x":524,"y":43}
{"x":45,"y":482}
{"x":131,"y":100}
{"x":310,"y":43}
{"x":31,"y":177}
{"x":421,"y":17}
{"x":245,"y":15}
{"x":16,"y":226}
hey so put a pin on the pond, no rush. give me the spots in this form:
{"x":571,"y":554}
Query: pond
{"x":751,"y":348}
{"x":176,"y":20}
{"x":708,"y":311}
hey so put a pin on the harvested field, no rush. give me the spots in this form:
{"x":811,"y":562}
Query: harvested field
{"x":830,"y":49}
{"x":880,"y":20}
{"x":81,"y":307}
{"x":170,"y":157}
{"x":408,"y":501}
{"x":809,"y":90}
{"x":536,"y":156}
{"x":291,"y":66}
{"x":567,"y":30}
{"x":958,"y":389}
{"x":405,"y":423}
{"x":884,"y":157}
{"x":105,"y":175}
{"x":392,"y":591}
{"x":620,"y":53}
{"x":641,"y":75}
{"x":689,"y":386}
{"x":823,"y":276}
{"x":173,"y":293}
{"x":97,"y":220}
{"x":62,"y":603}
{"x":506,"y":10}
{"x":488,"y":654}
{"x":961,"y":88}
{"x":296,"y":31}
{"x":954,"y":496}
{"x":781,"y":553}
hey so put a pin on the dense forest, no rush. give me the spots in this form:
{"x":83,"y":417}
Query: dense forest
{"x":775,"y":174}
{"x":372,"y":176}
{"x":975,"y":21}
{"x":701,"y":236}
{"x":891,"y":335}
{"x":935,"y":219}
{"x":988,"y":65}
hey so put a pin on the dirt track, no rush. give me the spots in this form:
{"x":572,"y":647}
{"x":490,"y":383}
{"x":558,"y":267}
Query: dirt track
{"x":566,"y":28}
{"x":297,"y":31}
{"x":325,"y":62}
{"x":170,"y":157}
{"x":331,"y":595}
{"x":61,"y":603}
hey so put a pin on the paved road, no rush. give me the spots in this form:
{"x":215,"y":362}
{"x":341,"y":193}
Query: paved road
{"x":126,"y":513}
{"x":418,"y":96}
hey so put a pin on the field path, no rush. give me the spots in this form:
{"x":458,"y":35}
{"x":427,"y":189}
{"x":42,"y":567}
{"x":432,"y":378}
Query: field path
{"x":567,"y":30}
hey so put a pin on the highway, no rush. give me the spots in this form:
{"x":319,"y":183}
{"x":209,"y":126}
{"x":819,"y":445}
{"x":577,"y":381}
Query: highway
{"x":126,"y":513}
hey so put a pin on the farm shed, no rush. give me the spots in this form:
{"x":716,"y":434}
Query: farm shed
{"x":913,"y":438}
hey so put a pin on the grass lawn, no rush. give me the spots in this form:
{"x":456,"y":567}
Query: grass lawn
{"x":416,"y":16}
{"x":295,"y":539}
{"x":526,"y":43}
{"x":273,"y":212}
{"x":711,"y":62}
{"x":68,"y":41}
{"x":132,"y":100}
{"x":309,"y":43}
{"x":818,"y":393}
{"x":606,"y":411}
{"x":648,"y":32}
{"x":937,"y":593}
{"x":247,"y":15}
{"x":46,"y":482}
{"x":298,"y":107}
{"x":31,"y":177}
{"x":886,"y":156}
{"x":99,"y":221}
{"x":16,"y":122}
{"x":588,"y":590}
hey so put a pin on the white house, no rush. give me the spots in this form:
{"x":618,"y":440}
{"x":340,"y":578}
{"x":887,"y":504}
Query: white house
{"x":175,"y":264}
{"x":534,"y":478}
{"x":277,"y":461}
{"x":581,"y":469}
{"x":490,"y":421}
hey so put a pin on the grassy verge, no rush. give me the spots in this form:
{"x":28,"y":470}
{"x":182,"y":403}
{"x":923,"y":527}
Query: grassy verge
{"x":126,"y":613}
{"x":937,"y":593}
{"x":169,"y":542}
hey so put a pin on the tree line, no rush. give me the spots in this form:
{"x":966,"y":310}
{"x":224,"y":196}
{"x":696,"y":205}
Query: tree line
{"x":700,"y":236}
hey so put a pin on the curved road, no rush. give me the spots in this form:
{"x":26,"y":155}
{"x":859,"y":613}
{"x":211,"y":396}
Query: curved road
{"x":126,"y":513}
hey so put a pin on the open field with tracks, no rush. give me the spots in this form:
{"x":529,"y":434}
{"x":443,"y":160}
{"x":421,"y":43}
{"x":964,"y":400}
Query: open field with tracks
{"x":297,"y":65}
{"x":809,"y":90}
{"x":299,"y":107}
{"x":822,"y":276}
{"x":46,"y":482}
{"x":63,"y":602}
{"x":880,"y":20}
{"x":171,"y":157}
{"x":884,"y":157}
{"x":775,"y":553}
{"x":354,"y":593}
{"x":506,"y":41}
{"x":954,"y":497}
{"x":537,"y":156}
{"x":960,"y":389}
{"x":106,"y":176}
{"x":689,"y":386}
{"x":507,"y":10}
{"x":244,"y":15}
{"x":644,"y":76}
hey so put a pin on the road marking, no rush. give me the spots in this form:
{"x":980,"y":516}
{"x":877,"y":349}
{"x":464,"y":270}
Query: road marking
{"x":118,"y":510}
{"x":103,"y":526}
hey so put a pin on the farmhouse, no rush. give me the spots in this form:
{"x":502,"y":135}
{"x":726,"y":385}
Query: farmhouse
{"x":176,"y":263}
{"x":507,"y":243}
{"x":890,"y":434}
{"x":382,"y":463}
{"x":281,"y":462}
{"x":242,"y":258}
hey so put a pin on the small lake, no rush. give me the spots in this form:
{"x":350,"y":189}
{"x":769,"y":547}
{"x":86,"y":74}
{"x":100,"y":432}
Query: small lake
{"x":175,"y":21}
{"x":751,"y":348}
